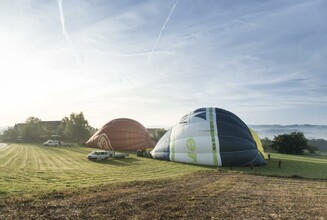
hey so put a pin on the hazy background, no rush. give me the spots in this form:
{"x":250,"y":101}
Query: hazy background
{"x":310,"y":131}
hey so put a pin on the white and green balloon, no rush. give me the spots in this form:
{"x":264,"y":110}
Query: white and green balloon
{"x":211,"y":136}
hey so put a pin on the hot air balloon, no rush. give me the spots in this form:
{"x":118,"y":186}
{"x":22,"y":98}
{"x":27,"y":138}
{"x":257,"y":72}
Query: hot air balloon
{"x":121,"y":134}
{"x":211,"y":136}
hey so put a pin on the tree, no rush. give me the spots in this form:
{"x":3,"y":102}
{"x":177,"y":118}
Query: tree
{"x":293,"y":143}
{"x":312,"y":149}
{"x":11,"y":134}
{"x":319,"y":144}
{"x":266,"y":143}
{"x":76,"y":128}
{"x":32,"y":130}
{"x":156,"y":133}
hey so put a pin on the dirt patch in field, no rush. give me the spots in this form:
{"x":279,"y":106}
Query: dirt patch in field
{"x":202,"y":195}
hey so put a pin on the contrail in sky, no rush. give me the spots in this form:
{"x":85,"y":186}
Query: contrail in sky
{"x":162,"y":29}
{"x":62,"y":21}
{"x":66,"y":35}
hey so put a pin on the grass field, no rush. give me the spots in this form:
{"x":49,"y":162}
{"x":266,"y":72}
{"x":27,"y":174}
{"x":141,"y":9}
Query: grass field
{"x":35,"y":168}
{"x":38,"y":182}
{"x":313,"y":167}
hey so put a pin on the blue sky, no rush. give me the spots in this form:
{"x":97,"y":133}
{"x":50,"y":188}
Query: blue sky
{"x":155,"y":61}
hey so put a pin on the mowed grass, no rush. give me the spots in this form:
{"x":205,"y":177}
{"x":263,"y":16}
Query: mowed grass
{"x":296,"y":166}
{"x":29,"y":169}
{"x":36,"y":169}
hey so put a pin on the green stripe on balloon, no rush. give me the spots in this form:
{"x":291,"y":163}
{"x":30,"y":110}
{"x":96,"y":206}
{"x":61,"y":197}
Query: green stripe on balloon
{"x":213,"y":141}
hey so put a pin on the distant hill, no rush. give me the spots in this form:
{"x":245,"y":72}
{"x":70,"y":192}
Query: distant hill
{"x":310,"y":131}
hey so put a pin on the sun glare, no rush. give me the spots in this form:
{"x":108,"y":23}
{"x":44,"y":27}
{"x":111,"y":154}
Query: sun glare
{"x":19,"y":71}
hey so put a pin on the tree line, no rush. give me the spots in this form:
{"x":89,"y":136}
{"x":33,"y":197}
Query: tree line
{"x":73,"y":128}
{"x":77,"y":129}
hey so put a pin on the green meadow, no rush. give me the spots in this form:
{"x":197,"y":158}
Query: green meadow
{"x":295,"y":166}
{"x":30,"y":168}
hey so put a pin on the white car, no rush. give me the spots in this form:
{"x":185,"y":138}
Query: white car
{"x":102,"y":155}
{"x":99,"y":155}
{"x":51,"y":143}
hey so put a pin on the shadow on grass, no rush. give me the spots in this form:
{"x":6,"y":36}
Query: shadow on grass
{"x":117,"y":161}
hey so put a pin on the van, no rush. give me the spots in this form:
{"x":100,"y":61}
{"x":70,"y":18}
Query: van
{"x":51,"y":143}
{"x":99,"y":155}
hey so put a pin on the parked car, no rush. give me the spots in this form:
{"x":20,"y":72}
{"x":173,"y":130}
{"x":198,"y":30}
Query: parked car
{"x":102,"y":155}
{"x":51,"y":143}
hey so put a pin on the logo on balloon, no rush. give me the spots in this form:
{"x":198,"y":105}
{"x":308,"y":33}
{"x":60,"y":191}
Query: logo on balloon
{"x":104,"y":142}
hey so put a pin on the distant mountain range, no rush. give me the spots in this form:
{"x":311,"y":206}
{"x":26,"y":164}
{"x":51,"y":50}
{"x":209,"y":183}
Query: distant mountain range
{"x":309,"y":131}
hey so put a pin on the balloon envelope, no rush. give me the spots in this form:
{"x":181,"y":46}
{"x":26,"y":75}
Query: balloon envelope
{"x":210,"y":136}
{"x":121,"y":134}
